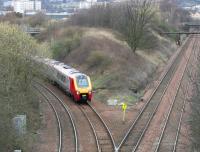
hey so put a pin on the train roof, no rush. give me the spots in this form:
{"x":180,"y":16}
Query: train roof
{"x":62,"y":67}
{"x":52,"y":62}
{"x":68,"y":71}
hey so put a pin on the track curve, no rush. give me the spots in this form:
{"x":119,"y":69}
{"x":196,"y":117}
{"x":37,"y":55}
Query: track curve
{"x":65,"y":115}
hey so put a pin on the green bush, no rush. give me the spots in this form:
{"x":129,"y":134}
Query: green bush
{"x":37,"y":20}
{"x":62,"y":47}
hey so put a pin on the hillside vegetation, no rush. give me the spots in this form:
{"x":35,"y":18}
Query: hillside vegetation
{"x":119,"y":46}
{"x":104,"y":55}
{"x":114,"y":69}
{"x":16,"y":94}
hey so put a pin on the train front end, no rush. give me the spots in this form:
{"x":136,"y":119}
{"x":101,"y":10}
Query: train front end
{"x":83,"y":88}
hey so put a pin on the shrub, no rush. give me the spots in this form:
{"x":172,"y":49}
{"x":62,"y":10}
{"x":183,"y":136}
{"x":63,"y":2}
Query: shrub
{"x":37,"y":20}
{"x":98,"y":59}
{"x":62,"y":48}
{"x":68,"y":41}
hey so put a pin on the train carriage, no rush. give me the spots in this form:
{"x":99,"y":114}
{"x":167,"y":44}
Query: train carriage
{"x":75,"y":83}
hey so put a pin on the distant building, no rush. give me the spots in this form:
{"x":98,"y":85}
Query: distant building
{"x":7,"y":4}
{"x":55,"y":1}
{"x":23,"y":6}
{"x":87,"y":4}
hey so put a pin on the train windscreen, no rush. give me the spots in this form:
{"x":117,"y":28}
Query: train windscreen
{"x":82,"y":81}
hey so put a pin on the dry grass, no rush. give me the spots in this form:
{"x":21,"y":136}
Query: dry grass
{"x":155,"y":58}
{"x":112,"y":65}
{"x":105,"y":33}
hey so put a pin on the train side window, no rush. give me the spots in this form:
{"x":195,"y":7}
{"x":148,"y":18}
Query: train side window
{"x":63,"y":78}
{"x":67,"y":81}
{"x":58,"y":75}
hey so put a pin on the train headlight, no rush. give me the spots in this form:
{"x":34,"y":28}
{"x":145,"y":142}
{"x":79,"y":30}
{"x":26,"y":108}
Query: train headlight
{"x":90,"y":92}
{"x":77,"y":92}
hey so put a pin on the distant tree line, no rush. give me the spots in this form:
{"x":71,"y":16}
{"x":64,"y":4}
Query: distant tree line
{"x":17,"y":18}
{"x":172,"y":14}
{"x":129,"y":18}
{"x":132,"y":18}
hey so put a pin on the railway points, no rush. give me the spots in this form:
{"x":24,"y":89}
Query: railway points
{"x":104,"y":139}
{"x":103,"y":136}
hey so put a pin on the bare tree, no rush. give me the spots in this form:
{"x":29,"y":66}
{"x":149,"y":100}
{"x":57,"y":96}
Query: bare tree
{"x":138,"y":15}
{"x":129,"y":18}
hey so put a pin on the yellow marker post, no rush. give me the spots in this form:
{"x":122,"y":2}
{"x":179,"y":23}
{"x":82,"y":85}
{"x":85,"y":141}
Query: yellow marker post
{"x":124,"y":107}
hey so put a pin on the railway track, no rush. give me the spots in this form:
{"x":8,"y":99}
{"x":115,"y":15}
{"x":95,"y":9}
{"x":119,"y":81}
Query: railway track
{"x":68,"y":139}
{"x":103,"y":136}
{"x":59,"y":145}
{"x":92,"y":131}
{"x":171,"y":129}
{"x":133,"y":137}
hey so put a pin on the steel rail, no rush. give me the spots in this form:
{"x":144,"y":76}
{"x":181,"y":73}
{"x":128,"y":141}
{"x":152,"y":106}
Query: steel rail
{"x":171,"y":106}
{"x":179,"y":127}
{"x":68,"y":112}
{"x":151,"y":96}
{"x":92,"y":127}
{"x":151,"y":117}
{"x":57,"y":118}
{"x":148,"y":123}
{"x":103,"y":122}
{"x":180,"y":122}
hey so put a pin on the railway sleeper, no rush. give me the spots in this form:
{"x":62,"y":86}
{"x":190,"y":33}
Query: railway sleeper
{"x":103,"y":137}
{"x":168,"y":143}
{"x":104,"y":142}
{"x":139,"y":129}
{"x":100,"y":137}
{"x":107,"y":148}
{"x":167,"y":148}
{"x":137,"y":132}
{"x":131,"y":142}
{"x":146,"y":115}
{"x":127,"y":148}
{"x":100,"y":133}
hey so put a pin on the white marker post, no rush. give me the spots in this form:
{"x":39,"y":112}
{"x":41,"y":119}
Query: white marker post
{"x":124,"y":106}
